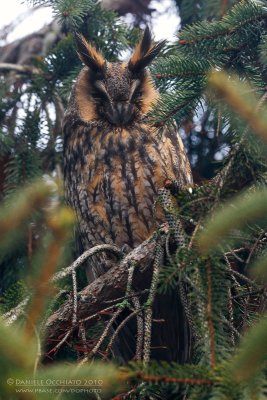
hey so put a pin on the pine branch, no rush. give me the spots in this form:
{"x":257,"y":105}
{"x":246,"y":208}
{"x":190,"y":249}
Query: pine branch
{"x":230,"y":23}
{"x":179,"y":67}
{"x":248,"y":108}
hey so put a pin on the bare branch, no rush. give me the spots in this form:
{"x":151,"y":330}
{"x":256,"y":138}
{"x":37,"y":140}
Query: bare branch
{"x":80,"y":260}
{"x":12,"y":315}
{"x":111,"y":285}
{"x":23,"y":69}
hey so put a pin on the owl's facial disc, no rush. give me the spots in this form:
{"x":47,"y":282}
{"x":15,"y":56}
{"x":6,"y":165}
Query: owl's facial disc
{"x":118,"y":95}
{"x":120,"y":92}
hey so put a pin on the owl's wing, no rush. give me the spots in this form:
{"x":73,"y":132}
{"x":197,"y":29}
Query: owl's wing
{"x":173,"y":152}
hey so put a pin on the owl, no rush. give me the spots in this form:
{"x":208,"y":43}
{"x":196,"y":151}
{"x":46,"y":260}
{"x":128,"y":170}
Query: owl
{"x":114,"y":165}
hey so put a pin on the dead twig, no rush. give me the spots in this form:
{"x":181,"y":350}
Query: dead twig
{"x":22,"y":69}
{"x":80,"y":260}
{"x":108,"y":287}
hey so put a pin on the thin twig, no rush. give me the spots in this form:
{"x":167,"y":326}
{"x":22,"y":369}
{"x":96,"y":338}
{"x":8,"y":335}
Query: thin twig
{"x":249,"y":293}
{"x":245,"y":278}
{"x":80,"y":260}
{"x":58,"y":345}
{"x":218,"y":123}
{"x":230,"y":325}
{"x":231,"y":316}
{"x":105,"y":332}
{"x":230,"y":306}
{"x":209,"y":317}
{"x":75,"y":297}
{"x":130,"y":277}
{"x":119,"y":328}
{"x":38,"y":340}
{"x":239,"y":275}
{"x":140,"y":329}
{"x":136,"y":303}
{"x":232,"y":252}
{"x":12,"y":315}
{"x":150,"y":300}
{"x":193,"y":235}
{"x":220,"y":179}
{"x":187,"y":308}
{"x":83,"y":336}
{"x":254,"y":247}
{"x":74,"y":315}
{"x":24,"y":69}
{"x":98,"y":313}
{"x":127,"y":297}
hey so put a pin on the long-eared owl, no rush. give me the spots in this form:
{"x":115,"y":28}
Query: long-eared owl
{"x":115,"y":163}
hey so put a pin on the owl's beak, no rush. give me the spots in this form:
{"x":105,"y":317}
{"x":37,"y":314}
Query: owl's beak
{"x":122,"y":113}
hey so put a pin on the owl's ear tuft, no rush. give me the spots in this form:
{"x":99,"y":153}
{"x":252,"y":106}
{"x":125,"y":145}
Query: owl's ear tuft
{"x":144,"y":53}
{"x":89,"y":55}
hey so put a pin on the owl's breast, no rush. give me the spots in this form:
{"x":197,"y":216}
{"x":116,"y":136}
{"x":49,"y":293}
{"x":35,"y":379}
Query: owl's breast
{"x":114,"y":183}
{"x":124,"y":174}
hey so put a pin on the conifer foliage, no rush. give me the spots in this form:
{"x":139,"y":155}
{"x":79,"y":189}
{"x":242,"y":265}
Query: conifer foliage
{"x":212,"y":82}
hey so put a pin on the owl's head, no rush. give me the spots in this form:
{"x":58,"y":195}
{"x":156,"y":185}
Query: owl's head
{"x":116,"y":92}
